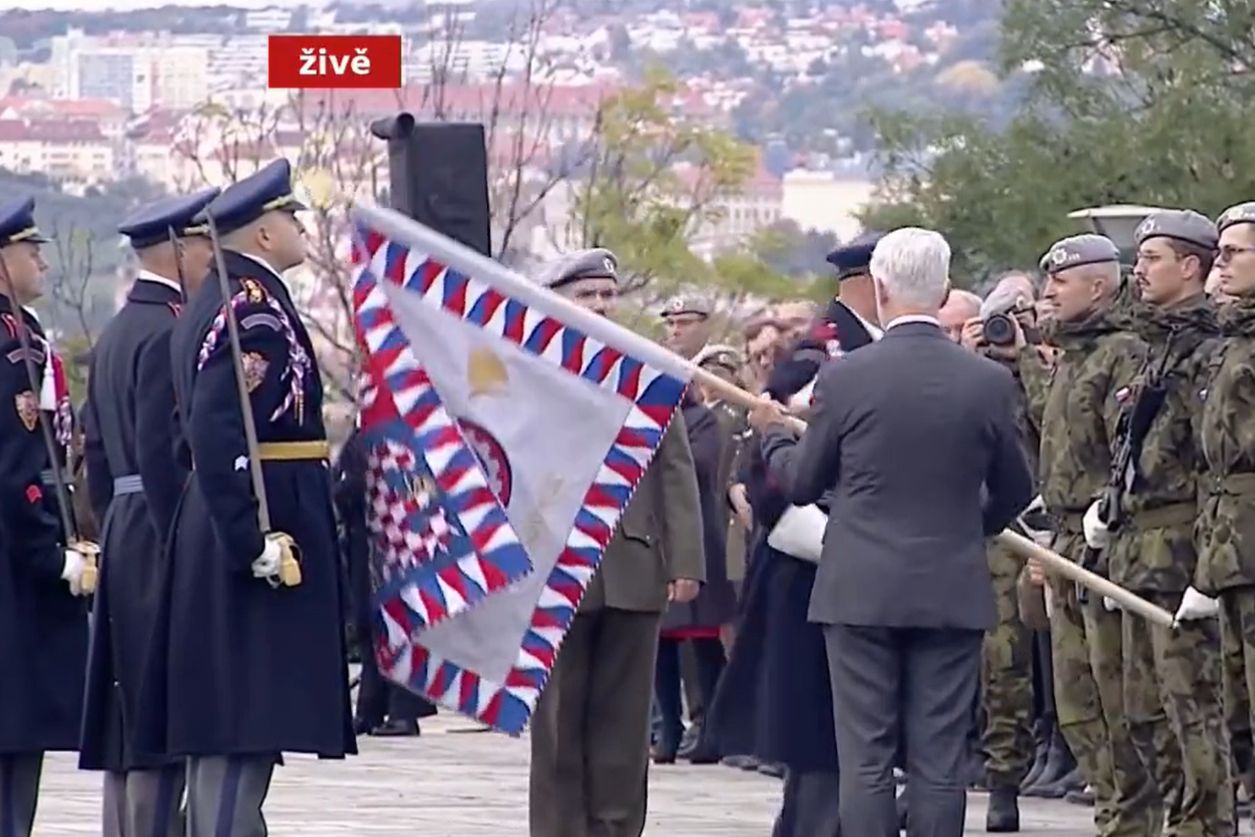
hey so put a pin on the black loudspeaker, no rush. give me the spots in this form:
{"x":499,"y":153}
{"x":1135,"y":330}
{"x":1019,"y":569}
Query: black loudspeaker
{"x":438,"y":175}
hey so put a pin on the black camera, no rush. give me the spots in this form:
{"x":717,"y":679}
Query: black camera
{"x":998,"y":330}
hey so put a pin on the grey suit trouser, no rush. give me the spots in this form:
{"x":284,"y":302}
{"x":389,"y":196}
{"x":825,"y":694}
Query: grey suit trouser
{"x":19,"y":792}
{"x":590,"y":731}
{"x":908,"y":687}
{"x":225,"y":795}
{"x":144,"y":803}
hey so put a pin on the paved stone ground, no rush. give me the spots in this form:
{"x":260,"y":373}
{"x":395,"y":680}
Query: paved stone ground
{"x":455,"y":782}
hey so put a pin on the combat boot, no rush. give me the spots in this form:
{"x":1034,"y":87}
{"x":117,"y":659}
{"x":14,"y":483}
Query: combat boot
{"x":1003,"y":816}
{"x":1059,"y":763}
{"x":1041,"y":737}
{"x":1073,"y":780}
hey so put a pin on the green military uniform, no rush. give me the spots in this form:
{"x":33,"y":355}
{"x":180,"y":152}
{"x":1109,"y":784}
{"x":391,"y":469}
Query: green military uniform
{"x":1171,"y":677}
{"x":1007,"y":654}
{"x":1078,"y":420}
{"x":1226,"y":527}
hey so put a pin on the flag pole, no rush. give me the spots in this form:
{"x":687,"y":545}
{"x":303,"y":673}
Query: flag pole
{"x":428,"y":243}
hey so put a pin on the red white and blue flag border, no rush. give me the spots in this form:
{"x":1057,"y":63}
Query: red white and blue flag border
{"x":391,"y":248}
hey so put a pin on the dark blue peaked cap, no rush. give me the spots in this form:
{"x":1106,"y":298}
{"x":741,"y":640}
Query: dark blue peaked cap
{"x":17,"y":222}
{"x":855,"y":258}
{"x":244,"y":201}
{"x":151,"y":223}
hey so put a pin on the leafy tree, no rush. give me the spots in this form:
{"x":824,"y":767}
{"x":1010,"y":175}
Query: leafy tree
{"x":1133,"y":101}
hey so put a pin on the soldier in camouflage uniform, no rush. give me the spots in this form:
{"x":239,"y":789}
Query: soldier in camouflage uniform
{"x":1226,"y":525}
{"x":1078,"y":421}
{"x":1172,"y":695}
{"x":1007,"y":652}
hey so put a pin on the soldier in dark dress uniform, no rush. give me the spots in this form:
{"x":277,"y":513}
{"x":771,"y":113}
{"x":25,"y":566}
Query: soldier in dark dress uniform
{"x":134,"y":481}
{"x":253,"y":668}
{"x":43,"y":620}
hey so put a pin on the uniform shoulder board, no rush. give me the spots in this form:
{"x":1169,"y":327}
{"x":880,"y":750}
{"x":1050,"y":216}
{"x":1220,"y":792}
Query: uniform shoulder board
{"x":10,"y":325}
{"x":253,"y":290}
{"x":175,"y":308}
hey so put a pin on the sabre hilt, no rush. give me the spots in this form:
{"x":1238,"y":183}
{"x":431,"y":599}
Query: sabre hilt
{"x":91,"y":565}
{"x":289,"y":574}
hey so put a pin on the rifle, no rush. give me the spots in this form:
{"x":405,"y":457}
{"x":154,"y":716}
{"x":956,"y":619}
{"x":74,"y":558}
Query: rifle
{"x":1132,"y":429}
{"x":289,"y":566}
{"x":69,"y":527}
{"x":178,"y":263}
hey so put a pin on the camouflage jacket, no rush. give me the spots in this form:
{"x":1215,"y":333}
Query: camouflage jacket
{"x":1153,"y":544}
{"x":1226,"y":526}
{"x":1079,"y":411}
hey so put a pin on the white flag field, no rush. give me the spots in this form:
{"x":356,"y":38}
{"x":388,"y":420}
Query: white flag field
{"x":507,"y":429}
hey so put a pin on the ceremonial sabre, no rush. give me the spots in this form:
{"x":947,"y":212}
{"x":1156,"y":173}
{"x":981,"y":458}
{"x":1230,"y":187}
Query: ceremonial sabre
{"x":289,"y":566}
{"x":89,"y":550}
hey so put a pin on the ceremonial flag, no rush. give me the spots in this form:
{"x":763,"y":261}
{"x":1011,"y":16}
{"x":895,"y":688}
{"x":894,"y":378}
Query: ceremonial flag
{"x":507,"y":429}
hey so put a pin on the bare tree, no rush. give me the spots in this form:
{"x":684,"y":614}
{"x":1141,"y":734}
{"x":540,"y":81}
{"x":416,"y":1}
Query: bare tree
{"x":73,"y":249}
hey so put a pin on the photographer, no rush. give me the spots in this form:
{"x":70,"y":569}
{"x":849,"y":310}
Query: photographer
{"x":998,"y":328}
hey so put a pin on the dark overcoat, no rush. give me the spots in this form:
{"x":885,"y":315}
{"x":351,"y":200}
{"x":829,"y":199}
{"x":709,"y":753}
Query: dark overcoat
{"x":43,"y":627}
{"x":248,"y":668}
{"x":129,"y":425}
{"x":774,"y":700}
{"x":716,"y":603}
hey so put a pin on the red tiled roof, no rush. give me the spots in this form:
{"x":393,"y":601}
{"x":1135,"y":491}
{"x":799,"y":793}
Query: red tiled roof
{"x":54,"y":131}
{"x":83,"y":108}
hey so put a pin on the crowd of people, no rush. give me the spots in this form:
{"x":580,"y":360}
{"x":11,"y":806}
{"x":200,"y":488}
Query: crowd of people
{"x":731,"y":618}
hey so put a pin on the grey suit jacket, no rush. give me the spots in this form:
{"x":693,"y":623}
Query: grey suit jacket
{"x":914,"y":439}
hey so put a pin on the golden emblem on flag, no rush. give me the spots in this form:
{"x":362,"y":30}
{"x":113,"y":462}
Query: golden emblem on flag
{"x":27,"y":409}
{"x":485,"y":373}
{"x":255,"y":367}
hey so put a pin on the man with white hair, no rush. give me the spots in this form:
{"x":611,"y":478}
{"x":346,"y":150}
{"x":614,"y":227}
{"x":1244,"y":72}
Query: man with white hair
{"x":903,"y":588}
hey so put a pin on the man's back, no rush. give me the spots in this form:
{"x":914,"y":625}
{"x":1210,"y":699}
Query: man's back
{"x":918,"y":427}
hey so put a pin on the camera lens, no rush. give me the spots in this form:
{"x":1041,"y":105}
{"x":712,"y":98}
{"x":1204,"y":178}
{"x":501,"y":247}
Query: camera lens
{"x":998,"y":330}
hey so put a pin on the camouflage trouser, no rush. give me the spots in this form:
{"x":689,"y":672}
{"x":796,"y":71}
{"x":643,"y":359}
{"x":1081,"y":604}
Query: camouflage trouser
{"x":1237,"y":625}
{"x":1172,"y":699}
{"x":1085,"y":650}
{"x":1007,"y":679}
{"x":1237,"y":702}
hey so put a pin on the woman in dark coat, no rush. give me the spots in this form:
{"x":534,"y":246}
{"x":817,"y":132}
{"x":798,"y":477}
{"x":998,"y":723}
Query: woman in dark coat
{"x":774,"y":702}
{"x":377,"y":699}
{"x":697,"y":621}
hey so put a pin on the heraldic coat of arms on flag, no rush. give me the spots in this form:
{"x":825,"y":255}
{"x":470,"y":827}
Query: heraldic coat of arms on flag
{"x":507,"y":429}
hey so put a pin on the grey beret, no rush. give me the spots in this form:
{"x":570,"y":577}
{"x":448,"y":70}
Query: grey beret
{"x":1078,"y":250}
{"x":1182,"y":224}
{"x":719,"y":354}
{"x":597,"y":262}
{"x":690,"y":304}
{"x":1243,"y":213}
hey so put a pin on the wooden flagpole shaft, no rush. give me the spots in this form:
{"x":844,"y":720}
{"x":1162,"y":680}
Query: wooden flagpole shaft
{"x":1073,"y":571}
{"x":449,"y":252}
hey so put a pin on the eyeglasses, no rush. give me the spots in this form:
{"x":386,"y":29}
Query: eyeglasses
{"x":1227,"y":253}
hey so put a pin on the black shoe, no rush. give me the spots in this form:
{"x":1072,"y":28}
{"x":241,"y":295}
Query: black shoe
{"x":775,"y":771}
{"x":667,"y":747}
{"x":393,"y":728}
{"x":704,"y":753}
{"x":1003,"y":815}
{"x":739,"y":762}
{"x":690,"y":739}
{"x":1080,"y":796}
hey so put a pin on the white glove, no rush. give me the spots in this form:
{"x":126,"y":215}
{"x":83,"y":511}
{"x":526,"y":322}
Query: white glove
{"x":1194,"y":605}
{"x":1110,"y":603}
{"x":266,"y":565}
{"x":72,"y":571}
{"x":1096,"y":534}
